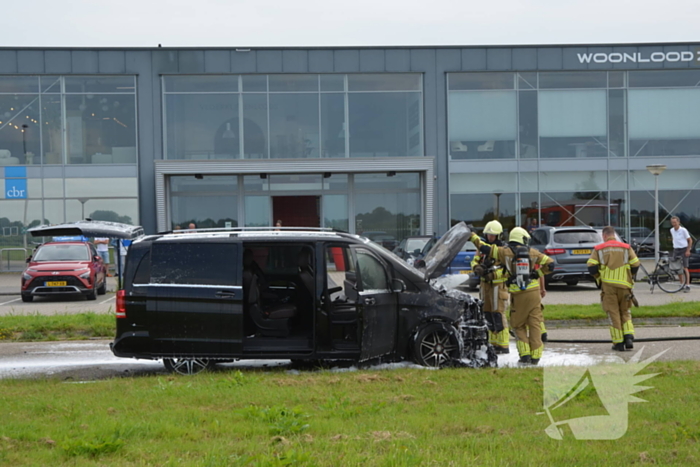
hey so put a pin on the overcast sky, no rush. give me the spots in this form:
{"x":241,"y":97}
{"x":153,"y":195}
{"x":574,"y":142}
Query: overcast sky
{"x":197,"y":23}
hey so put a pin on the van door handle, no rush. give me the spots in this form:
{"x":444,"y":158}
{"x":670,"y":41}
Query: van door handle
{"x":223,"y":294}
{"x":370,"y":301}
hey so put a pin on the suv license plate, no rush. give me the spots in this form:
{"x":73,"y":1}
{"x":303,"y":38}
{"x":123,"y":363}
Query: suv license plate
{"x":580,"y":252}
{"x":56,"y":284}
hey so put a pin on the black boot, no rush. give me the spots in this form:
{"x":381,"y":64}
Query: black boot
{"x":534,"y":361}
{"x":629,"y":341}
{"x":544,"y":337}
{"x":526,"y":359}
{"x":501,"y":350}
{"x":619,"y":347}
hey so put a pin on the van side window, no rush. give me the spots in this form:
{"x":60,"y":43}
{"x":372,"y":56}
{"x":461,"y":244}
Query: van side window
{"x":193,"y":263}
{"x":340,"y":272}
{"x":372,"y":272}
{"x":143,"y":269}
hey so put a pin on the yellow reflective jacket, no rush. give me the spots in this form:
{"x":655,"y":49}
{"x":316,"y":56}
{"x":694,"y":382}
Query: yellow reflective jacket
{"x":615,"y":261}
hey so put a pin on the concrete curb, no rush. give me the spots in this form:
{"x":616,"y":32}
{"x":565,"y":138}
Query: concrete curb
{"x":581,"y":323}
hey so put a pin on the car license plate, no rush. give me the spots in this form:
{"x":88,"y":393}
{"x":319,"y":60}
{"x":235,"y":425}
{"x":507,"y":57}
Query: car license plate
{"x":56,"y":284}
{"x":465,"y":271}
{"x":580,"y":252}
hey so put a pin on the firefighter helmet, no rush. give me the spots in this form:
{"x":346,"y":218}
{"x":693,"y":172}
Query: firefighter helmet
{"x":519,"y":235}
{"x":493,"y":228}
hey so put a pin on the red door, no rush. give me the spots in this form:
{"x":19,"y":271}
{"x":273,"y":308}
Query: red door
{"x":297,"y":211}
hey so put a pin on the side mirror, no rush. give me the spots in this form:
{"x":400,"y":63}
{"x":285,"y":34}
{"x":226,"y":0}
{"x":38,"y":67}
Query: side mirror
{"x":419,"y":263}
{"x":416,"y":251}
{"x":96,"y":258}
{"x":29,"y":259}
{"x":397,"y":285}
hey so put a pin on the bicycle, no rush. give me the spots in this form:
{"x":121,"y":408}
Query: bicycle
{"x":667,"y":274}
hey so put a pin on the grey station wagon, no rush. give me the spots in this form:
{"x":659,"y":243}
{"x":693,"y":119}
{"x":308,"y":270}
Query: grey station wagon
{"x":195,"y":299}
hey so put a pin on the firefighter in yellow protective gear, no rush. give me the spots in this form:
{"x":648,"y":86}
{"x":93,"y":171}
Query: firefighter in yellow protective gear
{"x":614,"y":264}
{"x":519,"y":262}
{"x":492,"y":290}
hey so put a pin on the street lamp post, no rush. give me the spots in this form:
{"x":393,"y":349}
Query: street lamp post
{"x":82,"y":207}
{"x":498,"y":205}
{"x":656,"y":170}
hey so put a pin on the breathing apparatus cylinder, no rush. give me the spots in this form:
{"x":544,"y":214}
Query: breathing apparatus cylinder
{"x":522,"y":266}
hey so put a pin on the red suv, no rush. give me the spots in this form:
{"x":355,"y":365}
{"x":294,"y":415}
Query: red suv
{"x":61,"y":268}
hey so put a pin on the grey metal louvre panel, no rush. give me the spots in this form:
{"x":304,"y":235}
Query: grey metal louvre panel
{"x":424,"y":165}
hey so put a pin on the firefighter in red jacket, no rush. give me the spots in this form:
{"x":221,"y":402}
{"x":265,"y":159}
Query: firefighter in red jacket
{"x":615,"y":264}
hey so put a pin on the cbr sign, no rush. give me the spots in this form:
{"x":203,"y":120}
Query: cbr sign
{"x":655,"y":57}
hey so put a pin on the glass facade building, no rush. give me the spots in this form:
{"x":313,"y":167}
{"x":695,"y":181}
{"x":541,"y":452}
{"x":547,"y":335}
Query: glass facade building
{"x":388,"y":142}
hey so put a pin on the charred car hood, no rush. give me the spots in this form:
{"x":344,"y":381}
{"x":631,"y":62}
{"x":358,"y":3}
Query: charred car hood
{"x":443,"y":252}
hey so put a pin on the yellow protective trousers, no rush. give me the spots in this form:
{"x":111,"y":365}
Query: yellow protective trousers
{"x":616,"y":303}
{"x":495,"y":298}
{"x":526,"y":320}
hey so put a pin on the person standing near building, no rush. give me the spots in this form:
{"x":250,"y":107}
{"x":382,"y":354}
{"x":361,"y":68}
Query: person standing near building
{"x":492,"y":288}
{"x":615,"y":264}
{"x":102,"y":247}
{"x":520,"y":261}
{"x":681,"y":249}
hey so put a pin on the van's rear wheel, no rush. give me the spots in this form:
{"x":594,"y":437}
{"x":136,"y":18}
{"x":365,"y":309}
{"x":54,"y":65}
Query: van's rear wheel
{"x":187,"y":366}
{"x":436,"y":345}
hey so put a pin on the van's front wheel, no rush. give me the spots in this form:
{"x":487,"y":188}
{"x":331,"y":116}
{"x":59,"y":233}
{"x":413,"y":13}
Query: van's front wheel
{"x":436,"y":345}
{"x":187,"y":366}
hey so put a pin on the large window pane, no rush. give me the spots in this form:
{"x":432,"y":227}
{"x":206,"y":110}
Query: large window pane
{"x":333,"y":128}
{"x":294,"y":126}
{"x":208,"y":202}
{"x":481,"y":182}
{"x":257,"y":211}
{"x":335,"y":212}
{"x":99,"y":187}
{"x":51,"y":129}
{"x":475,"y":81}
{"x":384,"y":82}
{"x":573,"y":208}
{"x":478,"y":209}
{"x":387,"y":207}
{"x":597,"y":79}
{"x":664,"y":78}
{"x":255,"y":126}
{"x":101,"y":128}
{"x":664,"y":122}
{"x":385,"y":124}
{"x":202,"y":126}
{"x":482,"y":125}
{"x":201,"y":83}
{"x":527,"y":124}
{"x":578,"y":181}
{"x":573,"y":123}
{"x":616,"y":122}
{"x":19,"y":129}
{"x":293,"y":83}
{"x":124,"y":210}
{"x":19,"y":84}
{"x":96,"y":84}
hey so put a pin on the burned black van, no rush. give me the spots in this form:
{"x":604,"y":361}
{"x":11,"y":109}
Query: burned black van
{"x":194,"y":299}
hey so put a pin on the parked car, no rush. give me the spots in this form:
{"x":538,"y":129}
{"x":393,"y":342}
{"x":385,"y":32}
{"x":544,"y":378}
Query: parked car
{"x":694,"y":263}
{"x":411,"y":247}
{"x":63,"y":268}
{"x":570,"y":248}
{"x":194,"y":299}
{"x":461,"y":264}
{"x":382,"y":238}
{"x":643,"y":239}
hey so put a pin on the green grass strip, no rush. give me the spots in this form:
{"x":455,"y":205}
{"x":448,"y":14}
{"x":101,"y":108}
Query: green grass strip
{"x":35,"y":327}
{"x":398,"y":418}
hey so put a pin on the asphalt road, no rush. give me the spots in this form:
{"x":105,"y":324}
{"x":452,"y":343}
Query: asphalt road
{"x":13,"y":305}
{"x":92,"y":360}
